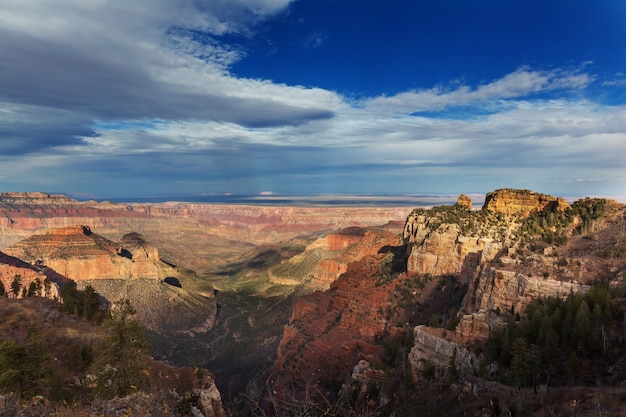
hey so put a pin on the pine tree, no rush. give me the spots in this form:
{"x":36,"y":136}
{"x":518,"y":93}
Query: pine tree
{"x":16,"y":285}
{"x":120,"y":361}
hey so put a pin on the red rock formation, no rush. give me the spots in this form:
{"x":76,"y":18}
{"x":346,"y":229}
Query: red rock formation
{"x":328,"y":257}
{"x":196,"y":236}
{"x":330,"y":331}
{"x":79,"y":254}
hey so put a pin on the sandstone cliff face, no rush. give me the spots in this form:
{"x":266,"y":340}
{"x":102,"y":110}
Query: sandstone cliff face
{"x":79,"y":254}
{"x":129,"y":270}
{"x":445,"y":251}
{"x":328,"y":257}
{"x":502,"y":290}
{"x":431,"y":345}
{"x":503,"y":277}
{"x":521,"y":202}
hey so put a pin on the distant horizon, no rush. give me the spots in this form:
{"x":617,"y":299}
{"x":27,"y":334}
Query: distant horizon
{"x":423,"y":199}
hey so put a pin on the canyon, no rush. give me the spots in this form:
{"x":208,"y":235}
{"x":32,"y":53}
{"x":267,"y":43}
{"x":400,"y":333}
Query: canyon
{"x":275,"y":298}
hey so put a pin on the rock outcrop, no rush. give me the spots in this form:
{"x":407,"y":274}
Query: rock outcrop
{"x":129,"y":270}
{"x":502,"y":290}
{"x":521,"y":202}
{"x":32,"y":280}
{"x":447,"y":251}
{"x":332,"y":329}
{"x":79,"y":254}
{"x":325,"y":259}
{"x":431,"y":345}
{"x":464,"y":201}
{"x":503,"y":275}
{"x":209,"y":398}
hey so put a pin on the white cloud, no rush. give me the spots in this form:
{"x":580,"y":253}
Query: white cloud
{"x":142,"y":88}
{"x":143,"y":59}
{"x":521,"y":83}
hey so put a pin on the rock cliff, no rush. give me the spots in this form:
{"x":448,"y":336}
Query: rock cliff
{"x":489,"y":254}
{"x":330,"y":331}
{"x":521,"y":202}
{"x":79,"y":254}
{"x":196,"y":236}
{"x":432,"y":345}
{"x":505,"y":278}
{"x":130,"y":269}
{"x":326,"y":258}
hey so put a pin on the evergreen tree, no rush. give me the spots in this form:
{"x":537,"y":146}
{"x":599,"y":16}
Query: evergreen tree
{"x":16,"y":285}
{"x":24,"y":366}
{"x":120,"y":360}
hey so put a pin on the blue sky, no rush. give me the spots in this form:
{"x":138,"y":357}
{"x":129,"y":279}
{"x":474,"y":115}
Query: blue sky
{"x":159,"y":97}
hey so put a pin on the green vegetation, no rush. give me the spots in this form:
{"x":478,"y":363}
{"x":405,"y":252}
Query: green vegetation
{"x":552,"y":226}
{"x":471,"y":222}
{"x":38,"y":359}
{"x":120,"y":362}
{"x":16,"y":285}
{"x":25,"y":366}
{"x":85,"y":304}
{"x":579,"y":338}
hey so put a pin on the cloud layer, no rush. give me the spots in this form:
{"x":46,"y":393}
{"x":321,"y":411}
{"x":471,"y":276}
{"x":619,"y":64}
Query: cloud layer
{"x":125,"y":98}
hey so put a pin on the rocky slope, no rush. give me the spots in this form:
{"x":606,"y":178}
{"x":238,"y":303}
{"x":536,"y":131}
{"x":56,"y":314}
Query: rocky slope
{"x":507,"y":280}
{"x":130,"y":269}
{"x":519,"y":247}
{"x":325,"y":259}
{"x":329,"y":332}
{"x":32,"y":279}
{"x":53,"y":351}
{"x":79,"y":254}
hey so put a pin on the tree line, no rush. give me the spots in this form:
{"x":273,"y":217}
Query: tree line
{"x":118,"y":358}
{"x":576,"y":340}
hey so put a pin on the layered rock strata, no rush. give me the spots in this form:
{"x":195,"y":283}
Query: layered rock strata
{"x":79,"y":254}
{"x":329,"y":330}
{"x":195,"y":235}
{"x":521,"y":202}
{"x":447,"y":251}
{"x":324,"y":260}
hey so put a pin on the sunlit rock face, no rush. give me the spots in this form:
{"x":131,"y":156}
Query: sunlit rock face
{"x":521,"y":202}
{"x":446,"y":251}
{"x":326,"y":258}
{"x":78,"y":254}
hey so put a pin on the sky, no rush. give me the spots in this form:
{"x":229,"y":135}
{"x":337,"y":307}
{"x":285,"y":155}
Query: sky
{"x":123,"y":99}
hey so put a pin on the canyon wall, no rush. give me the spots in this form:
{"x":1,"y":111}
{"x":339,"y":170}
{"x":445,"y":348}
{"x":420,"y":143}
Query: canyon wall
{"x":79,"y":254}
{"x":432,"y":345}
{"x":326,"y":258}
{"x":194,"y":235}
{"x":521,"y":202}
